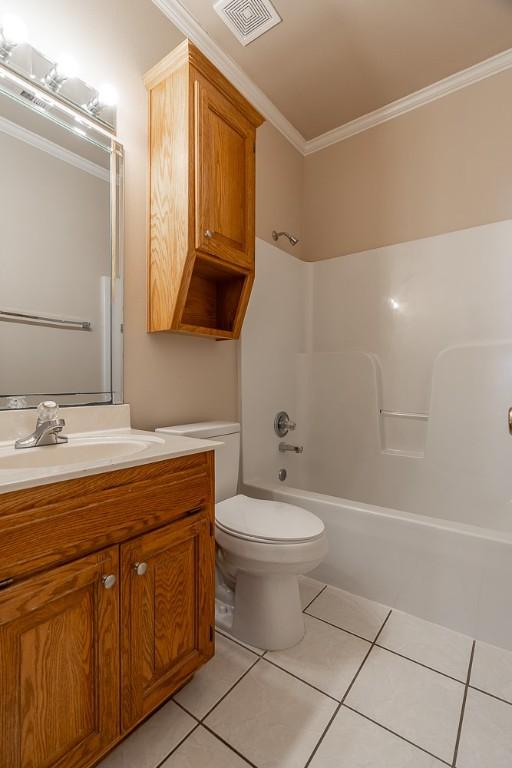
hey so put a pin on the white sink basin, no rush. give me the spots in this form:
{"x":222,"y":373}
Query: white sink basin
{"x":77,"y":451}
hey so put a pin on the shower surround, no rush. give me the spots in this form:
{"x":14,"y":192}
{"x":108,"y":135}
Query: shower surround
{"x":396,"y":364}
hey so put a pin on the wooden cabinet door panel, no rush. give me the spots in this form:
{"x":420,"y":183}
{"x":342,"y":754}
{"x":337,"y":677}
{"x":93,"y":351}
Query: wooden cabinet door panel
{"x":167,"y":612}
{"x":225,"y":177}
{"x":59,"y":666}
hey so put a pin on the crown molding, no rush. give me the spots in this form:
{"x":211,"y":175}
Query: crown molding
{"x":187,"y":24}
{"x":16,"y":131}
{"x":451,"y":84}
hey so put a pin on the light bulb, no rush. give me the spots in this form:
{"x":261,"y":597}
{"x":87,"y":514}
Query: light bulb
{"x":14,"y":29}
{"x":67,"y":66}
{"x":107,"y":95}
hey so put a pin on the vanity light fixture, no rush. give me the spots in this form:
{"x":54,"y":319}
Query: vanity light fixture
{"x":32,"y":74}
{"x":65,"y":69}
{"x":106,"y":97}
{"x":13,"y":32}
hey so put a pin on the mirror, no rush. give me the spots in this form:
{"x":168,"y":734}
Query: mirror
{"x":60,"y":265}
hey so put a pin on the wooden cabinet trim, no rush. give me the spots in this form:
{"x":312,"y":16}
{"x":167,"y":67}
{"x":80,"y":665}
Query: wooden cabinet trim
{"x":112,"y":510}
{"x":188,"y":53}
{"x":59,"y":491}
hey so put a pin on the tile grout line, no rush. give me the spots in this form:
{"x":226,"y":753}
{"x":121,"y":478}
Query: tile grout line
{"x":237,"y":642}
{"x":315,"y":597}
{"x":178,"y":745}
{"x":187,"y":712}
{"x":398,"y":735}
{"x":201,"y":724}
{"x":463,"y":708}
{"x":420,"y":664}
{"x":227,"y":744}
{"x":342,"y":629}
{"x":229,"y":690}
{"x":390,"y":650}
{"x":301,"y":680}
{"x":492,"y":695}
{"x":347,"y":692}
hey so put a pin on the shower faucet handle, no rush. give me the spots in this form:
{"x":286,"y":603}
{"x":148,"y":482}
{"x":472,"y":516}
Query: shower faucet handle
{"x":283,"y":424}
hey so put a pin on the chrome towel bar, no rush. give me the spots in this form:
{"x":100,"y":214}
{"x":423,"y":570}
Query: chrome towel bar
{"x":404,"y":414}
{"x":81,"y":325}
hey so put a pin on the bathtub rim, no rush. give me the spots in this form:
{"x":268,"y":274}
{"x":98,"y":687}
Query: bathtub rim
{"x":466,"y":529}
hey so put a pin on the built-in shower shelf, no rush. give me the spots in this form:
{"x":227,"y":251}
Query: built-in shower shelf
{"x":407,"y":454}
{"x":403,"y":433}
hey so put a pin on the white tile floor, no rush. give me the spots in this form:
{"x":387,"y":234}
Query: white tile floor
{"x":366,"y":688}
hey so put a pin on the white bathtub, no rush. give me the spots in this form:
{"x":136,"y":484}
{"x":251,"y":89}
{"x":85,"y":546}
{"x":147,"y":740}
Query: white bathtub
{"x":453,"y":574}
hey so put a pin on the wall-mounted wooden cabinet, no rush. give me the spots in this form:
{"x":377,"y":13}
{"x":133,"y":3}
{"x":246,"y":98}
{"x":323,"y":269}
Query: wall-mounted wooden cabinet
{"x":202,"y":198}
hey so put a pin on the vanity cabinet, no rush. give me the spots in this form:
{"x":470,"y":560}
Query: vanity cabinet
{"x":167,"y":613}
{"x":202,"y":136}
{"x":107,"y":606}
{"x":59,"y":665}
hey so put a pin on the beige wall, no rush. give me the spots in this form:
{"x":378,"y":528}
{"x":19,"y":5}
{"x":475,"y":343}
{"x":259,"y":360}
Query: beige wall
{"x":168,"y":378}
{"x":443,"y":167}
{"x":279,"y":189}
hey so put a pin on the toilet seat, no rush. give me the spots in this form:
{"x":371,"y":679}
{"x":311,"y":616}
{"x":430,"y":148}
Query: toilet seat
{"x":267,"y":522}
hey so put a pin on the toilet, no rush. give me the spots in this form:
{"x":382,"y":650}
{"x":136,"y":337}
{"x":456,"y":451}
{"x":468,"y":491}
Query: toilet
{"x":264,"y":546}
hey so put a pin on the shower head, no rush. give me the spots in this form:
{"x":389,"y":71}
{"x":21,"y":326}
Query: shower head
{"x":292,"y":240}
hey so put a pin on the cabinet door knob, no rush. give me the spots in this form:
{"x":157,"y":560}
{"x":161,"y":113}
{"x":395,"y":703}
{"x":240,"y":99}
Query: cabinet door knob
{"x":109,"y":581}
{"x":140,"y":568}
{"x":208,"y":233}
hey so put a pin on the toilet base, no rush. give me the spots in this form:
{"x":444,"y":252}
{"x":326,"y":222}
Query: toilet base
{"x":268,"y":612}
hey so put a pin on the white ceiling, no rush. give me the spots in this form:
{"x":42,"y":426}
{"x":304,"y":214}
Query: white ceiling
{"x":332,"y":61}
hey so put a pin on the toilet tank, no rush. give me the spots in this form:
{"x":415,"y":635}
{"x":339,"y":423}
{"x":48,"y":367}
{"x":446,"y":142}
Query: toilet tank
{"x":227,"y":458}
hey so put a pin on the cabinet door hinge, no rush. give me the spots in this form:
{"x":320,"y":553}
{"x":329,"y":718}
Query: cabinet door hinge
{"x":212,"y":529}
{"x":4,"y":583}
{"x":211,"y":633}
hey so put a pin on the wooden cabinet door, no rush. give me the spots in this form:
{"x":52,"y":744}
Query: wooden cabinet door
{"x":225,"y":177}
{"x":167,"y":613}
{"x":59,"y":666}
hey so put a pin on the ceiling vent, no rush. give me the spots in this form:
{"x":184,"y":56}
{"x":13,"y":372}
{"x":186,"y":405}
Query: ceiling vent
{"x":247,"y":19}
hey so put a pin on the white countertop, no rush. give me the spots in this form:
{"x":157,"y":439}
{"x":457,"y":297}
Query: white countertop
{"x":148,"y":448}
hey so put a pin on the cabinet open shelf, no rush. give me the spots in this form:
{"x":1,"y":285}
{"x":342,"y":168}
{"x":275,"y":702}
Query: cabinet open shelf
{"x":216,"y":298}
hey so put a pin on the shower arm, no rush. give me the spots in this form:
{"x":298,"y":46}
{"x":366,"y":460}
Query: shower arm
{"x":291,"y":238}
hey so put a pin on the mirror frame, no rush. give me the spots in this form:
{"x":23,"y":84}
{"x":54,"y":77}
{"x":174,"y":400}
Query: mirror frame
{"x":60,"y":111}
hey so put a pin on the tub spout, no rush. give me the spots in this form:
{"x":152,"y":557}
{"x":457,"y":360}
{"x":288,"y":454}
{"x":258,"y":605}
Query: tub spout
{"x":284,"y":447}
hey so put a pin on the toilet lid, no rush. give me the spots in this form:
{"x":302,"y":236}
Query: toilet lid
{"x":267,"y":520}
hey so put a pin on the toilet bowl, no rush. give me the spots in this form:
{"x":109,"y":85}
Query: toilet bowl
{"x":264,"y":546}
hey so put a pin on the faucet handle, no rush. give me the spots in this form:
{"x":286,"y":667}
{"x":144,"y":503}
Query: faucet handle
{"x":47,"y":411}
{"x":283,"y":424}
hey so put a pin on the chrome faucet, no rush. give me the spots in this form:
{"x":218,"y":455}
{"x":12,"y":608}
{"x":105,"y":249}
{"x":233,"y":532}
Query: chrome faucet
{"x":48,"y":428}
{"x":284,"y":447}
